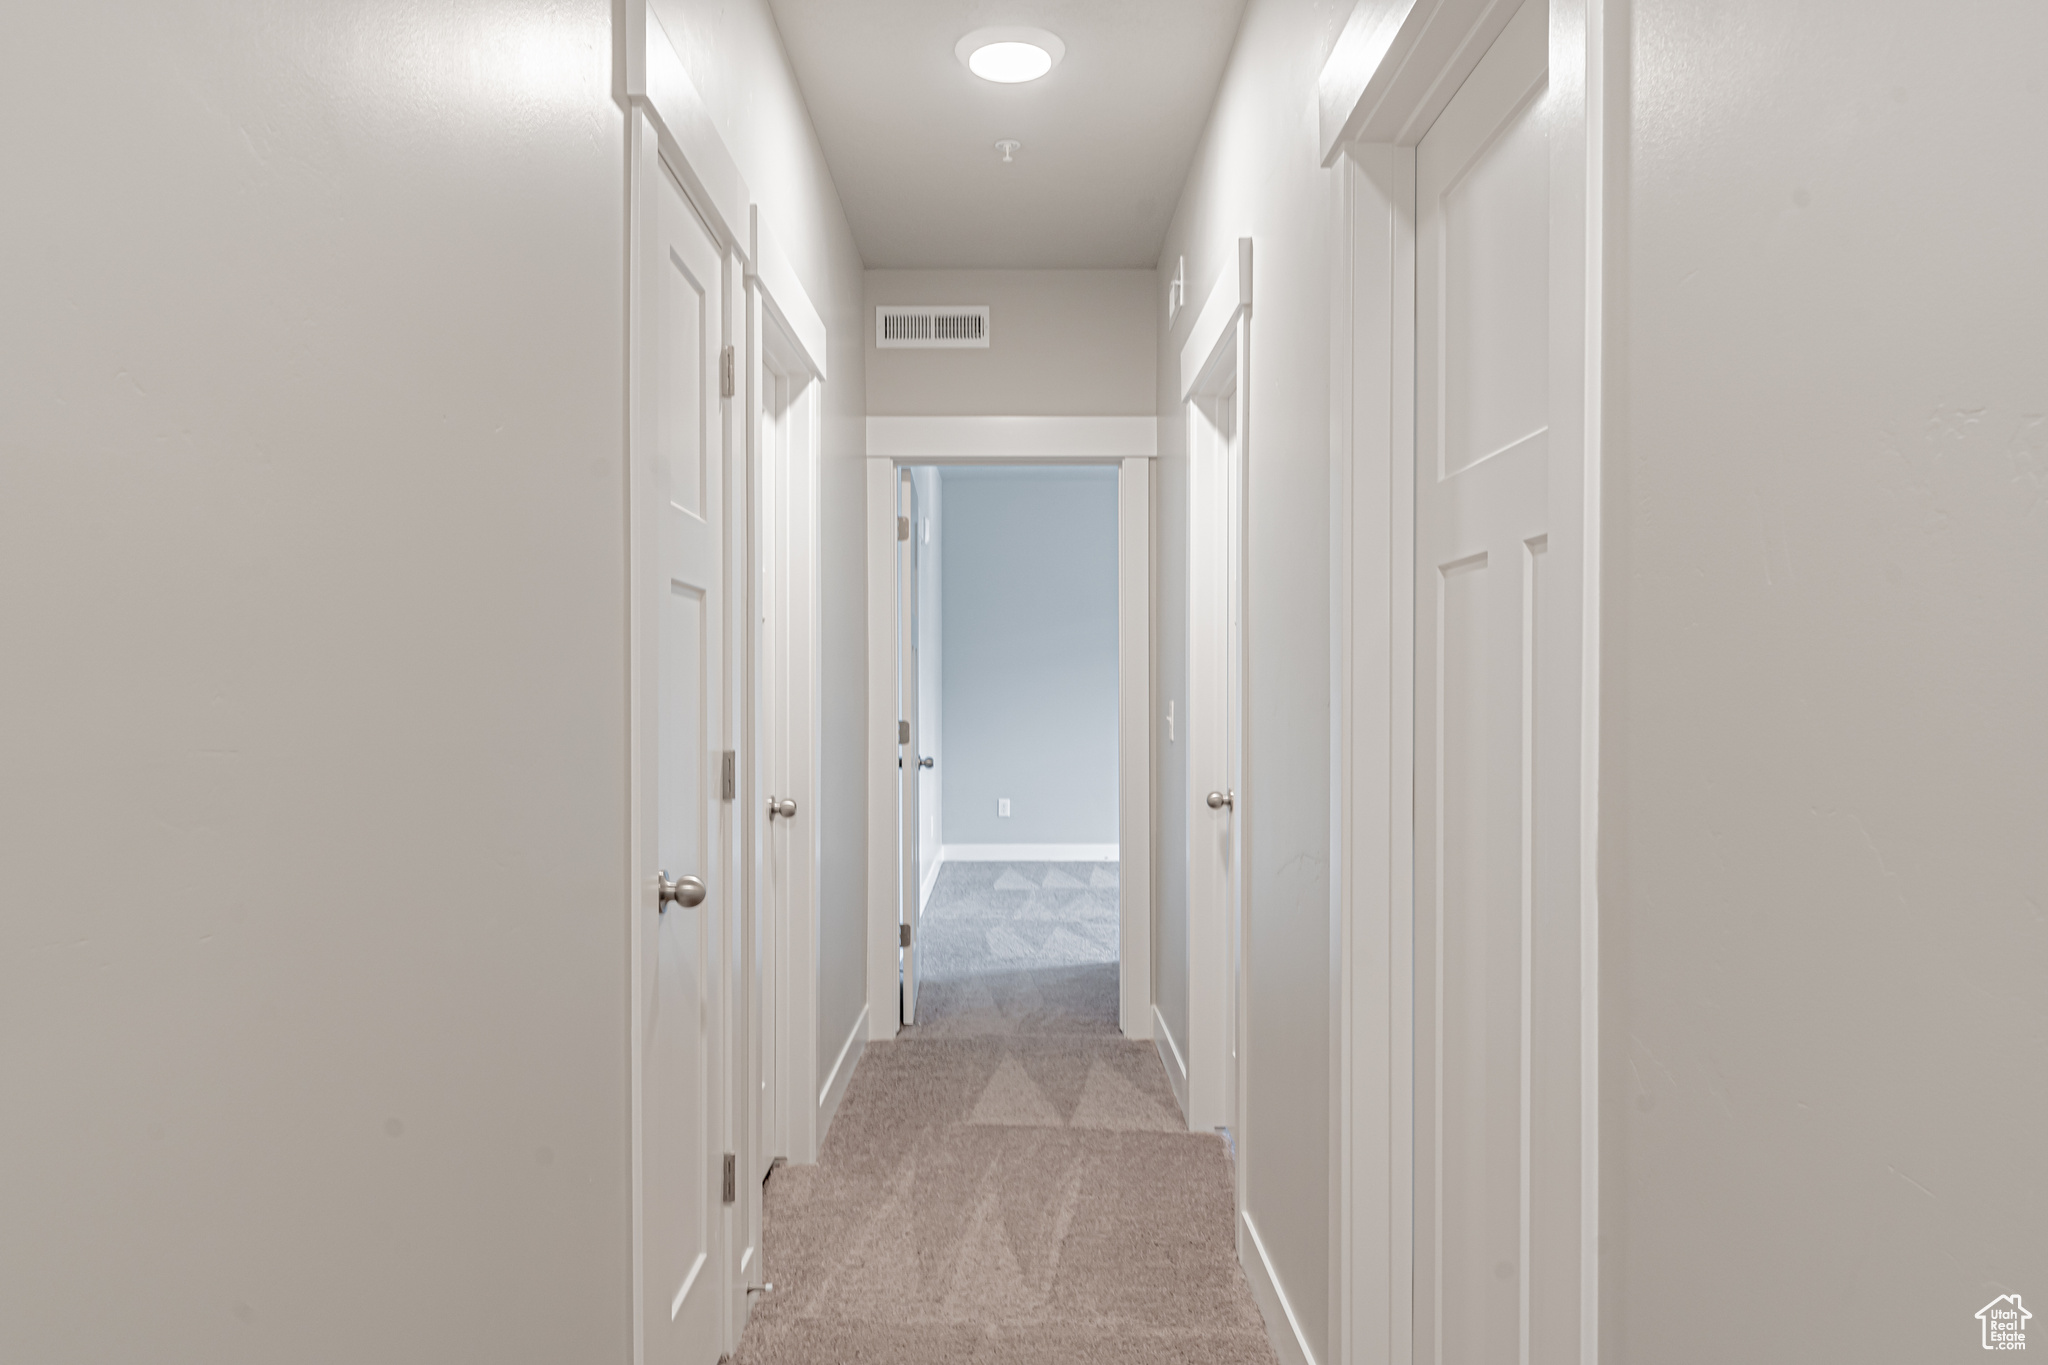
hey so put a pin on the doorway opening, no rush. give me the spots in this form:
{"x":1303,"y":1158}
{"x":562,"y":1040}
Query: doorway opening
{"x":1008,"y":638}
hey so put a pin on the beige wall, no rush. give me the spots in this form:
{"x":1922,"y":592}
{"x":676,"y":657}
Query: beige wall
{"x":1825,"y":879}
{"x":313,"y":979}
{"x":1255,"y":175}
{"x":1061,"y":342}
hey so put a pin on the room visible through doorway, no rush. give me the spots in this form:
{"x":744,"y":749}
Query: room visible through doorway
{"x":1008,"y":677}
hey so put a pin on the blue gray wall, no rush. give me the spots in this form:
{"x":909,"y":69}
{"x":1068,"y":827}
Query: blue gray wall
{"x":1029,"y":654}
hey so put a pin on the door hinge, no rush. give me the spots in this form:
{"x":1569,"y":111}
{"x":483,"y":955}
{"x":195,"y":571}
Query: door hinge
{"x":903,"y":732}
{"x":729,"y":776}
{"x":732,"y":1178}
{"x":903,"y":528}
{"x":728,"y":379}
{"x":905,"y":935}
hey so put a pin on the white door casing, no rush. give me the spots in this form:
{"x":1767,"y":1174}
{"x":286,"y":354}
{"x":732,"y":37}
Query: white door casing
{"x":1134,"y":747}
{"x":682,"y":1006}
{"x":1129,"y":442}
{"x":1216,"y":384}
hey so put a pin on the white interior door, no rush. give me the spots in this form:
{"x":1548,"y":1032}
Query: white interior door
{"x":787,"y":628}
{"x":771,"y":902}
{"x":908,"y":756}
{"x":1214,"y":725}
{"x":1233,"y":816}
{"x":682,"y":1012}
{"x":1482,"y":178}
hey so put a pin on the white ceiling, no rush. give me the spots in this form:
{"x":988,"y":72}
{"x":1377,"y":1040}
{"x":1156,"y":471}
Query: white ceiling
{"x":910,"y":133}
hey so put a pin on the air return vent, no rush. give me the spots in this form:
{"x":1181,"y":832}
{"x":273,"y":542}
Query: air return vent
{"x":931,"y":325}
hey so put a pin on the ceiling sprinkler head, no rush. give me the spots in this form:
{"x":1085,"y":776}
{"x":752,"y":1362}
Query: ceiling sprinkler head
{"x":1009,"y":147}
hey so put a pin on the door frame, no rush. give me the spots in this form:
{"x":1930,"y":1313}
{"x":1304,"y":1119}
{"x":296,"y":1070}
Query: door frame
{"x":1129,"y":443}
{"x":1380,"y":92}
{"x":1215,"y":372}
{"x":786,"y":368}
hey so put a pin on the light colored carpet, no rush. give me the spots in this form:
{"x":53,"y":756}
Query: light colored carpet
{"x":1009,"y":1182}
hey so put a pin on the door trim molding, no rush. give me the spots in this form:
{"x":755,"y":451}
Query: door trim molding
{"x":784,"y":293}
{"x":1372,"y":773}
{"x":1134,"y":697}
{"x":1393,"y":70}
{"x":657,"y":82}
{"x":641,"y":161}
{"x":1012,"y":440}
{"x":1395,"y":66}
{"x":1228,"y":297}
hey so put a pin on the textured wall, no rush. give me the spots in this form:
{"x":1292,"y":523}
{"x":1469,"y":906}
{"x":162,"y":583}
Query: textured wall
{"x":1030,"y":671}
{"x":1826,"y":885}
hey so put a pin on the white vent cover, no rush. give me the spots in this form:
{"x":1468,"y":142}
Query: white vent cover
{"x":931,"y":326}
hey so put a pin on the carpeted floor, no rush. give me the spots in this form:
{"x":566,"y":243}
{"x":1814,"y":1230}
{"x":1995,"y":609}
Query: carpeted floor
{"x":1009,"y":1182}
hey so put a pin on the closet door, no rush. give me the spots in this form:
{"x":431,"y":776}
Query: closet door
{"x":1482,"y":185}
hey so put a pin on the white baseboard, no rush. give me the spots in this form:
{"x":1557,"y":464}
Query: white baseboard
{"x":1028,"y":853}
{"x":834,"y":1089}
{"x":1169,"y":1056}
{"x":931,"y":879}
{"x":1282,"y":1328}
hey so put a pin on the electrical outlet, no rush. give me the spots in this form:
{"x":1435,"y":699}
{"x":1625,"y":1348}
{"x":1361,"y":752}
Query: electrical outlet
{"x":1003,"y":806}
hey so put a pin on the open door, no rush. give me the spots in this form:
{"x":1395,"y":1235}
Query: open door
{"x":683,"y":1173}
{"x":908,"y":760}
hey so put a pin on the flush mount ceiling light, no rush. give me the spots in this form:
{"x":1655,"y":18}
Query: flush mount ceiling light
{"x":1010,"y":55}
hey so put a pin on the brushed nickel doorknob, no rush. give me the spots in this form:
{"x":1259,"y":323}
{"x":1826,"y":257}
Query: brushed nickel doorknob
{"x":786,"y":808}
{"x":686,"y":891}
{"x":924,"y":763}
{"x":1218,"y":800}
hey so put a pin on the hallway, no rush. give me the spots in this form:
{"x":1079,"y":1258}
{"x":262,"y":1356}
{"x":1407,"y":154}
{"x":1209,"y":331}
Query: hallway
{"x":1243,"y":682}
{"x":1009,"y":1181}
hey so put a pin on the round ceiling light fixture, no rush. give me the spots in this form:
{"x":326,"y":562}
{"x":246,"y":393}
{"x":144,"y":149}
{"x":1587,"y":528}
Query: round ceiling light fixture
{"x":1010,"y":56}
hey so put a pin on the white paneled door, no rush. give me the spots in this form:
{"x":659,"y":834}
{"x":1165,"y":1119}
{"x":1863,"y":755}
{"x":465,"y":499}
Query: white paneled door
{"x":1217,"y":825}
{"x":683,"y":887}
{"x":907,"y":735}
{"x":1483,"y":602}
